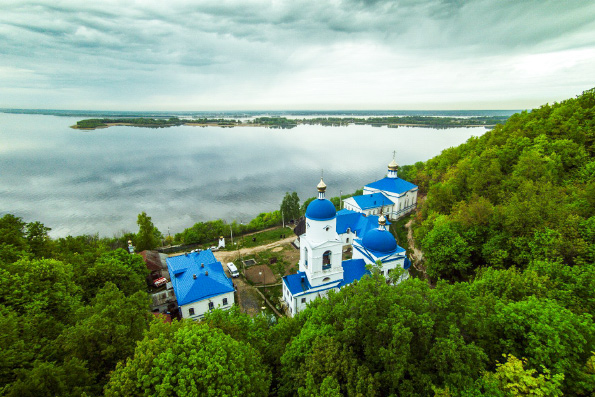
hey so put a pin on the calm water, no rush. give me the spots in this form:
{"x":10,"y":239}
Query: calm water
{"x":86,"y":182}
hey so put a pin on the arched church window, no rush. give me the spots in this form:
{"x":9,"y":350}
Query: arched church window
{"x":326,"y":260}
{"x":326,"y":279}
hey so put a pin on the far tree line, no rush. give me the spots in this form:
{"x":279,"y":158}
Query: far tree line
{"x":284,"y":122}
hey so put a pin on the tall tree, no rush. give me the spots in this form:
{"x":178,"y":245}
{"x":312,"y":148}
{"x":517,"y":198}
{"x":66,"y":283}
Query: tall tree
{"x":189,"y":359}
{"x":40,"y":243}
{"x":107,"y":330}
{"x":290,"y":206}
{"x":148,"y":236}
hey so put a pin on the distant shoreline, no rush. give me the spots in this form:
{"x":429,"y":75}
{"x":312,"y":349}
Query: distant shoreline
{"x":285,"y":123}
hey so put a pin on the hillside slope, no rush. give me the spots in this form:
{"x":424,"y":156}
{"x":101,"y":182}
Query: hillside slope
{"x":522,"y":192}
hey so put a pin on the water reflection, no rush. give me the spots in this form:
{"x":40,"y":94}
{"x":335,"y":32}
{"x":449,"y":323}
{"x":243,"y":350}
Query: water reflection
{"x":98,"y":181}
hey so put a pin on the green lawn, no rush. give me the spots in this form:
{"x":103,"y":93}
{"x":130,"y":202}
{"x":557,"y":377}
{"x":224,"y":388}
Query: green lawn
{"x":260,"y":238}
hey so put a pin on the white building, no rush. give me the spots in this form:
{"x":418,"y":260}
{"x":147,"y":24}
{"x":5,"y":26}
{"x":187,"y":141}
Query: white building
{"x":391,"y":196}
{"x":200,"y":284}
{"x":321,"y":267}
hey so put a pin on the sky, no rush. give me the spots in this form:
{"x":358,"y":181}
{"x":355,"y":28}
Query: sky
{"x":294,"y":55}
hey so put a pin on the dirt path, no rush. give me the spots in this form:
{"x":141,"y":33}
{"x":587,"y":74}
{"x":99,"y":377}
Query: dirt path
{"x":228,"y":256}
{"x":249,"y":299}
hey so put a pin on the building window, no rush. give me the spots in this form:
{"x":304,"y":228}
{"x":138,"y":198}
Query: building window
{"x":306,"y":257}
{"x":224,"y":301}
{"x":326,"y":279}
{"x":347,"y":240}
{"x":326,"y":260}
{"x":191,"y":311}
{"x":303,"y":300}
{"x":211,"y":305}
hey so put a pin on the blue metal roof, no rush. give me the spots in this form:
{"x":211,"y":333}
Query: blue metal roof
{"x":353,"y":269}
{"x":356,"y":221}
{"x":182,"y":269}
{"x":321,"y":210}
{"x":372,"y":255}
{"x":297,"y":282}
{"x":407,"y":263}
{"x":379,"y":240}
{"x":375,"y":200}
{"x":347,"y":219}
{"x":393,"y":185}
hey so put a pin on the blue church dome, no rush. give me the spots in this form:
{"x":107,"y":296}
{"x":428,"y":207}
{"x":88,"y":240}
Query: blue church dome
{"x":380,"y":241}
{"x":321,"y":210}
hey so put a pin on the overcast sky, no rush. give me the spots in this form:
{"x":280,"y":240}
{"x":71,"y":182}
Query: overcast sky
{"x":255,"y":55}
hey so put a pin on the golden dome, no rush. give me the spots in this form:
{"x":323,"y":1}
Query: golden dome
{"x":393,"y":166}
{"x":381,"y":220}
{"x":321,"y":186}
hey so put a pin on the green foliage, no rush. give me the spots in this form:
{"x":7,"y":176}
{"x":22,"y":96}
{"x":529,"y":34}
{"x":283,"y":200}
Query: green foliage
{"x":106,"y":331}
{"x":240,"y":326}
{"x":124,"y":270}
{"x":291,"y":206}
{"x":90,"y":123}
{"x":304,"y":206}
{"x":13,"y":243}
{"x":527,"y":186}
{"x":183,"y":359}
{"x":209,"y":232}
{"x":447,"y":252}
{"x":51,"y":379}
{"x":376,"y":339}
{"x":547,"y":335}
{"x":39,"y":242}
{"x":513,"y":379}
{"x":148,"y":236}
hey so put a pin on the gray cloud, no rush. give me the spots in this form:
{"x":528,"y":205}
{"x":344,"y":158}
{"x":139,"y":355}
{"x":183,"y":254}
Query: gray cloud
{"x":220,"y":54}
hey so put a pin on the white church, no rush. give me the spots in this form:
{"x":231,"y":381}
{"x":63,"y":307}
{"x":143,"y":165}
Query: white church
{"x":364,"y":227}
{"x":391,"y":196}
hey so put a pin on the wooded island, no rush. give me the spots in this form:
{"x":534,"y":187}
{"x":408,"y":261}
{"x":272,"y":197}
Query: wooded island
{"x":285,"y":123}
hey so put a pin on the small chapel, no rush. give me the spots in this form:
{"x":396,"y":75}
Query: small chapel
{"x":361,"y":226}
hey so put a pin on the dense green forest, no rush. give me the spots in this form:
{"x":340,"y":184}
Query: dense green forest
{"x":507,"y":229}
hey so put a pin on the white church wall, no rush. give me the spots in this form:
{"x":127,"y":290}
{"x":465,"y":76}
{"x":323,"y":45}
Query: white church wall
{"x":319,"y":231}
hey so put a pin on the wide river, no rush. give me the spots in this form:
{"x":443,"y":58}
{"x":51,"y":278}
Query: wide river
{"x":87,"y":182}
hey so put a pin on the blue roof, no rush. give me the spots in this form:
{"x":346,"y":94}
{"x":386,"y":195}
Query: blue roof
{"x":393,"y":185}
{"x":371,"y":253}
{"x":380,"y":240}
{"x":321,"y":210}
{"x":182,"y":269}
{"x":295,"y":284}
{"x":347,"y":219}
{"x":353,"y":269}
{"x":407,"y":263}
{"x":375,"y":200}
{"x":356,"y":221}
